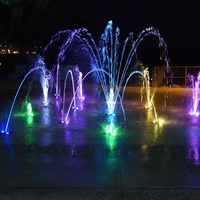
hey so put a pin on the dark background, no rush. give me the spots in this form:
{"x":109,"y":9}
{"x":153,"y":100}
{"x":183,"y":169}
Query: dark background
{"x":34,"y":22}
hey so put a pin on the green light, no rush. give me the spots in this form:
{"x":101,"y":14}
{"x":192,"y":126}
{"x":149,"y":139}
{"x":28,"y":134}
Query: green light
{"x":29,"y":109}
{"x":110,"y":128}
{"x":27,"y":112}
{"x":29,"y":120}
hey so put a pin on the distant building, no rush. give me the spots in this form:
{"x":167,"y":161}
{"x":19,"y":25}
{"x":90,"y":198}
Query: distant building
{"x":10,"y":49}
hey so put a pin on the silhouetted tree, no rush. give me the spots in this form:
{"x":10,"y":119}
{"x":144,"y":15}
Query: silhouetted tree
{"x":35,"y":21}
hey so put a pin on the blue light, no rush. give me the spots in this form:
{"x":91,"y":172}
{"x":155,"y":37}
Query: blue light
{"x":6,"y":132}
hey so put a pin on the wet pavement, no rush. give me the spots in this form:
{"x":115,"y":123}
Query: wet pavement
{"x":137,"y":159}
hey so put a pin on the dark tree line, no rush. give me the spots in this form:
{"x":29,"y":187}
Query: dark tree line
{"x":33,"y":22}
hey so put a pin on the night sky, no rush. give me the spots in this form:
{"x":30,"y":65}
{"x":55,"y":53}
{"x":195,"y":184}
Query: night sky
{"x":178,"y":23}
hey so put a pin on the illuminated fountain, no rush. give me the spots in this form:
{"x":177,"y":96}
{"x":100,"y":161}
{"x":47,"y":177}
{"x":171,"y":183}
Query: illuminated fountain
{"x":46,"y":82}
{"x":145,"y":89}
{"x":110,"y":61}
{"x":80,"y":86}
{"x":116,"y":62}
{"x":96,"y":133}
{"x":195,"y":94}
{"x":73,"y":102}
